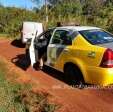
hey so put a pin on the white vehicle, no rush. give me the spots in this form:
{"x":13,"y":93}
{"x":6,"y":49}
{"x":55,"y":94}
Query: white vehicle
{"x":29,"y":30}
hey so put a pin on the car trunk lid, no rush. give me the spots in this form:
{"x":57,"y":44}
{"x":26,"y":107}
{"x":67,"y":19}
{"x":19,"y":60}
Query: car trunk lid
{"x":107,"y":45}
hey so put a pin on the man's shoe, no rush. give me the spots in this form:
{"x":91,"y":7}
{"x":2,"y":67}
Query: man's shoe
{"x":40,"y":67}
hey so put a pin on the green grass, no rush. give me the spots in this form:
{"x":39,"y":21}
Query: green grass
{"x":16,"y":97}
{"x":3,"y":35}
{"x":8,"y":93}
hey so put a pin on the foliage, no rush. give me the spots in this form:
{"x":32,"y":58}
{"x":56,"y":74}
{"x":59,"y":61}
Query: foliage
{"x":11,"y":19}
{"x":35,"y":102}
{"x":7,"y":94}
{"x":18,"y":97}
{"x":84,"y":12}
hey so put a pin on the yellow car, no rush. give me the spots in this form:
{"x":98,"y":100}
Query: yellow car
{"x":83,"y":53}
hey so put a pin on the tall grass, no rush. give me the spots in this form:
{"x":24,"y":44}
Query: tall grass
{"x":16,"y":97}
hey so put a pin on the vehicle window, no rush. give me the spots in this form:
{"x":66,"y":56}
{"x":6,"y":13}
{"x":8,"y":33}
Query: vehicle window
{"x":45,"y":35}
{"x":62,"y":37}
{"x":97,"y":36}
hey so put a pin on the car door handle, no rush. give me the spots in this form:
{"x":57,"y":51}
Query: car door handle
{"x":66,"y":50}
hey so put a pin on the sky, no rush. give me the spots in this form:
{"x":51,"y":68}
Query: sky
{"x":21,"y":3}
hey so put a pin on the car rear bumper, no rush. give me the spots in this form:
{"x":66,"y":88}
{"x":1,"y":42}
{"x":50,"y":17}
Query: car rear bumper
{"x":98,"y":75}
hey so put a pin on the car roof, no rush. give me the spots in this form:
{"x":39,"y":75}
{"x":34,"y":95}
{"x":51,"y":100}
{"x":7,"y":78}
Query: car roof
{"x":78,"y":28}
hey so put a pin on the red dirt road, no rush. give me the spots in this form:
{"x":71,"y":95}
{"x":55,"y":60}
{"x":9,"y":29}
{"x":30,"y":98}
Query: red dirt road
{"x":78,"y":100}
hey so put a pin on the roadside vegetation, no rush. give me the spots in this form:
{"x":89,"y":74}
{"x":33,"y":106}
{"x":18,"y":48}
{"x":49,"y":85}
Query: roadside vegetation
{"x":16,"y":97}
{"x":85,"y":12}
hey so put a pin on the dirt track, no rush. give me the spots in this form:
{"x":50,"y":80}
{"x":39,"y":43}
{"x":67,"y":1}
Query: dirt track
{"x":78,"y":100}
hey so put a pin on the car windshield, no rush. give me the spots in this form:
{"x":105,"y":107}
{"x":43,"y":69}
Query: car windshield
{"x":97,"y":36}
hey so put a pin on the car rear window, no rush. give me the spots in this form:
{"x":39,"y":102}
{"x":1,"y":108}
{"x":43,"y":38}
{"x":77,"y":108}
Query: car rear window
{"x":97,"y":36}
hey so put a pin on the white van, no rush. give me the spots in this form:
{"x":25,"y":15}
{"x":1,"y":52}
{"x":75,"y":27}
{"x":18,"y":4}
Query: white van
{"x":30,"y":29}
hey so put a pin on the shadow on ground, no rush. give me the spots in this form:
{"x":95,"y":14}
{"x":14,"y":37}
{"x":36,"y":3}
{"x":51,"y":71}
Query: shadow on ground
{"x":54,"y":73}
{"x":59,"y":75}
{"x":18,"y":43}
{"x":22,"y":61}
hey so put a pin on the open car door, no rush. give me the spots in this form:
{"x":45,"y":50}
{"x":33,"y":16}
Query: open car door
{"x":32,"y":49}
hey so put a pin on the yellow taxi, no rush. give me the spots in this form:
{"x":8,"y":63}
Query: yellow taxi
{"x":83,"y":53}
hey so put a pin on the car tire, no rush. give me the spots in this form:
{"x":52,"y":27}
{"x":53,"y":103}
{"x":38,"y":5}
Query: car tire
{"x":73,"y":75}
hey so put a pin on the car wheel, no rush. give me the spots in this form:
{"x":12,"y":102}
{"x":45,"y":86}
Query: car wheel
{"x":73,"y":75}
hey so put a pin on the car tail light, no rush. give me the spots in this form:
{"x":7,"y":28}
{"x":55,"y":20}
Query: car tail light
{"x":107,"y":60}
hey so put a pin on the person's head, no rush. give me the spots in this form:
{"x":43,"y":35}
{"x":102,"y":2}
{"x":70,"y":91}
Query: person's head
{"x":59,"y":24}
